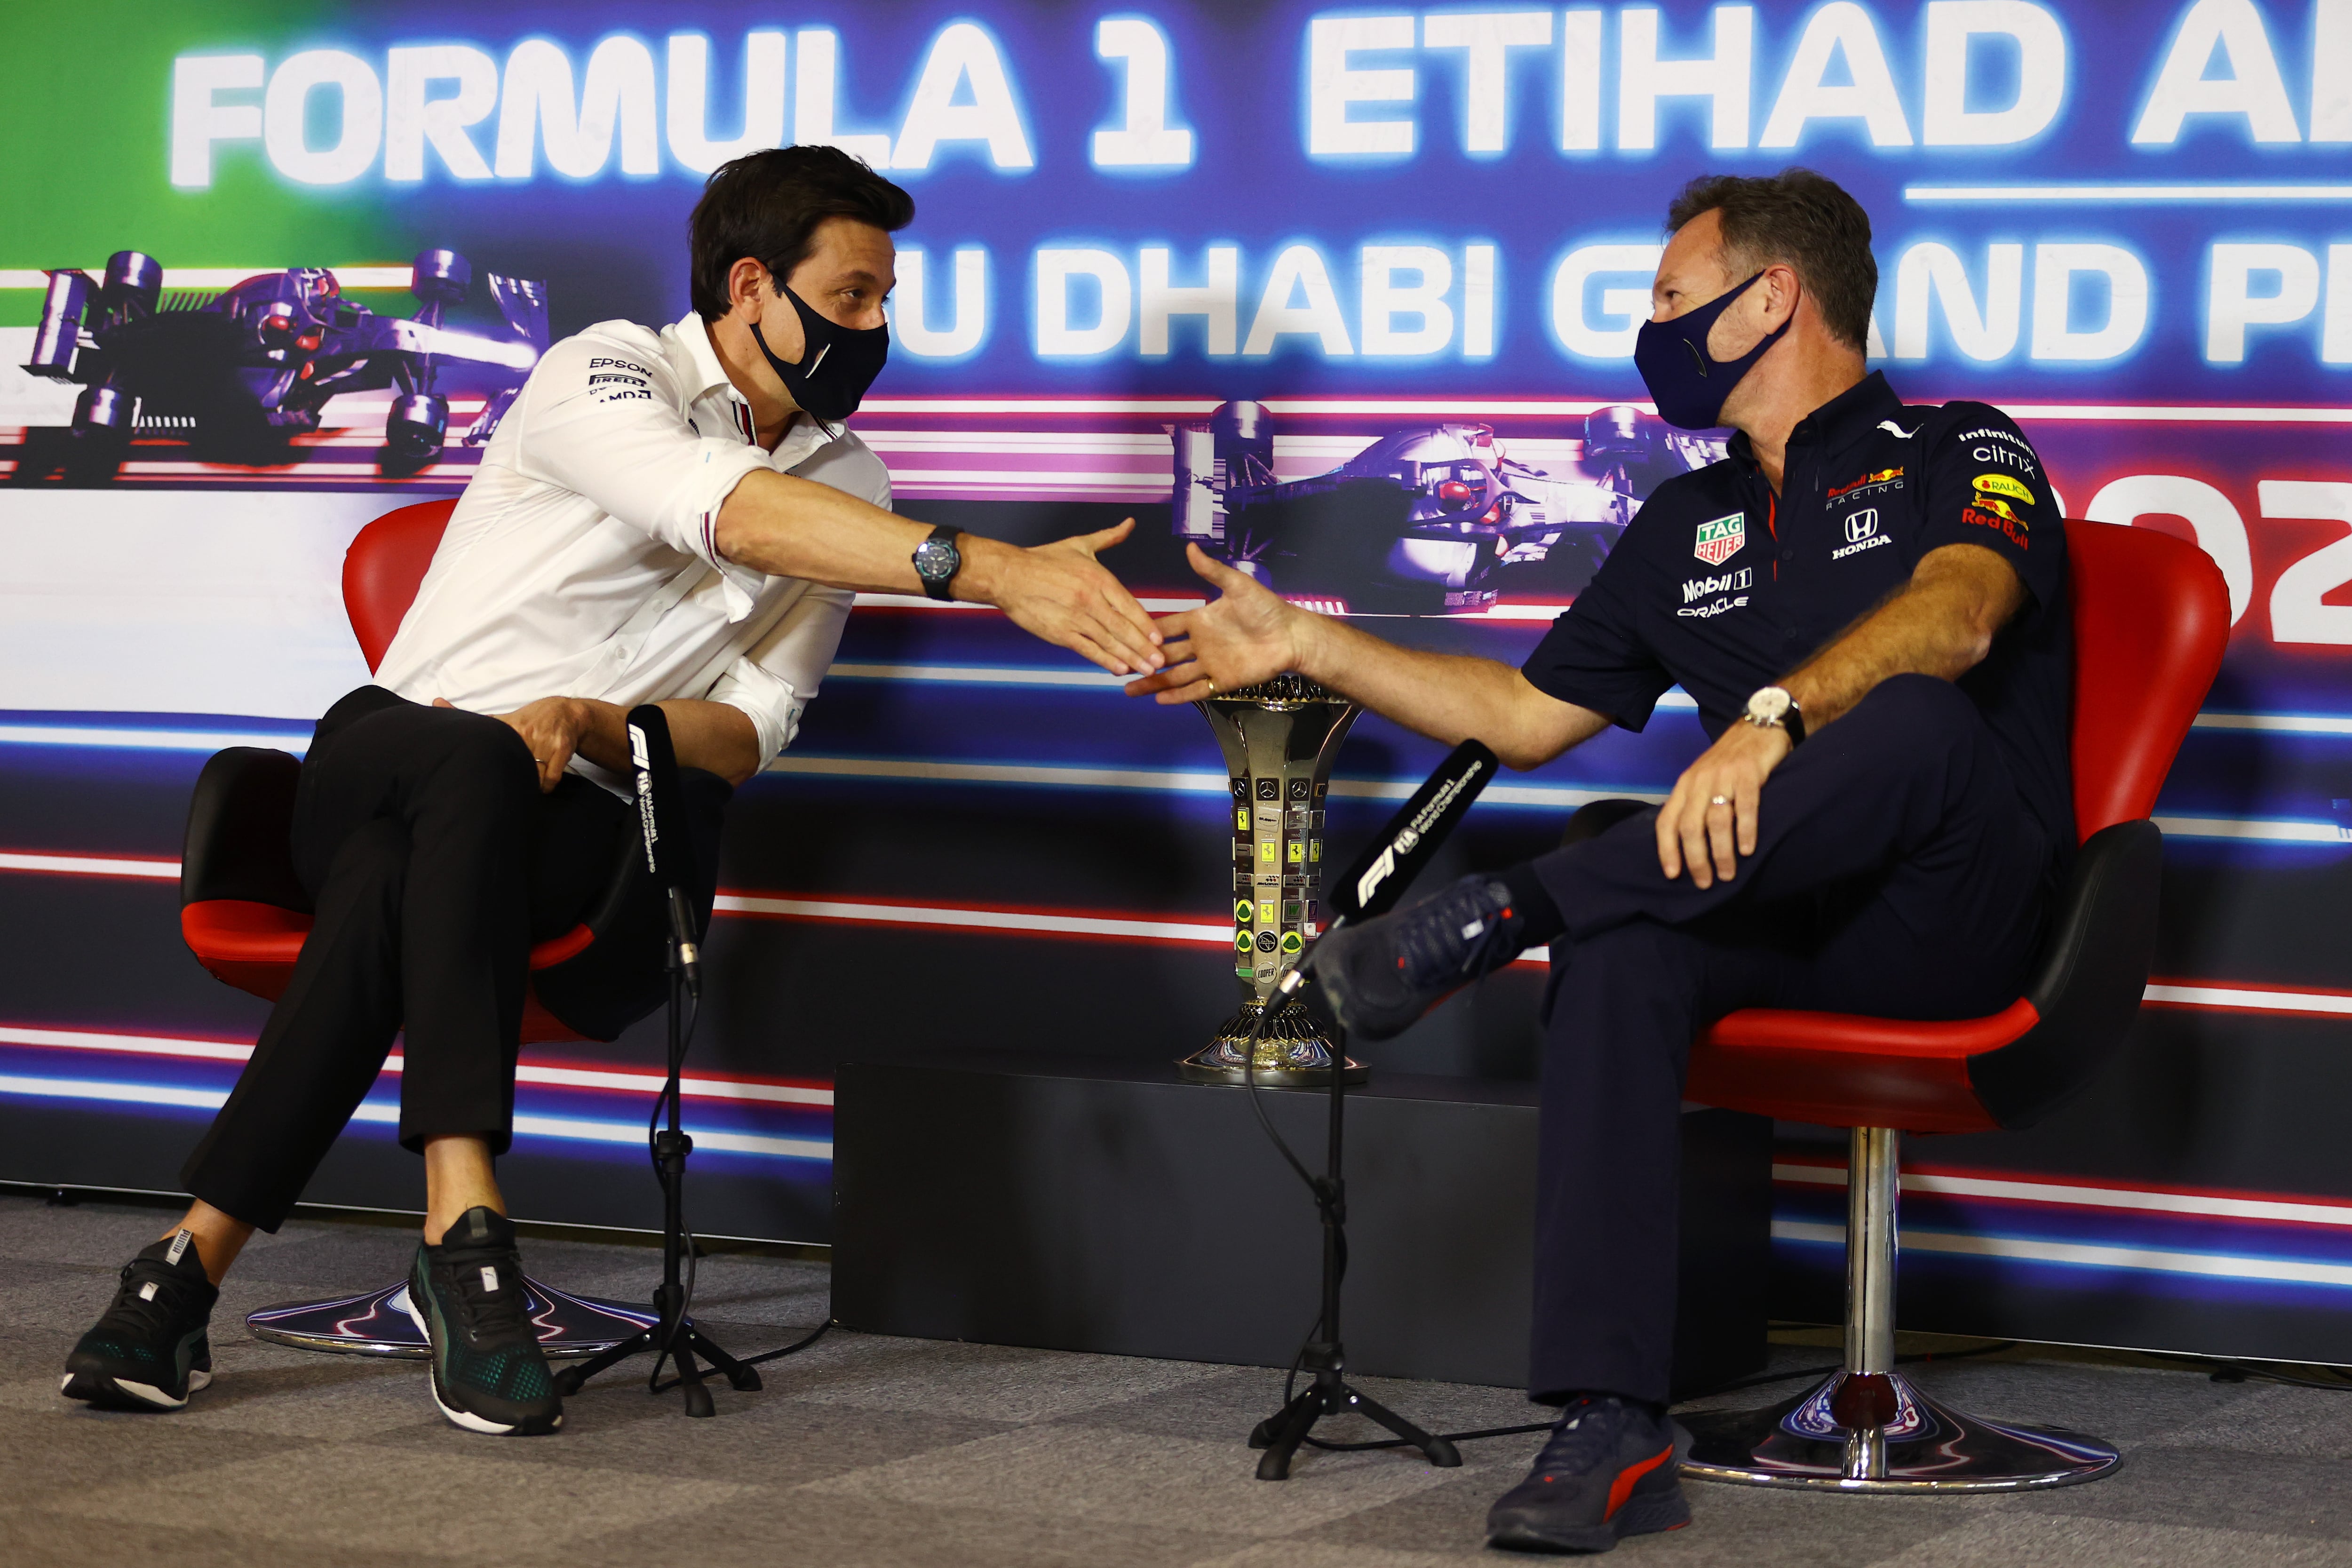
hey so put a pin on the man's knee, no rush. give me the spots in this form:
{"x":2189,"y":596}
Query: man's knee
{"x":483,"y":756}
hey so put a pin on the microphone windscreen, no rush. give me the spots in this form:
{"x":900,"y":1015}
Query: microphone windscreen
{"x":1405,"y":847}
{"x":654,"y":762}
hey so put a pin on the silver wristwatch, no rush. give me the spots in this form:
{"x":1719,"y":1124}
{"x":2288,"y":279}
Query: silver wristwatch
{"x":1771,"y":707}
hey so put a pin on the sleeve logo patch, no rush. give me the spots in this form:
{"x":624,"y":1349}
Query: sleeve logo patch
{"x":1721,"y":538}
{"x":2008,"y":526}
{"x":2001,"y":485}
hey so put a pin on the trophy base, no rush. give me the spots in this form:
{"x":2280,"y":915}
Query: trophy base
{"x":1200,"y":1070}
{"x":1291,"y":1052}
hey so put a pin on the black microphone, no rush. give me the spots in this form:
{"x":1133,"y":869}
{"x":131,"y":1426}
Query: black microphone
{"x":661,"y":817}
{"x":1405,"y":847}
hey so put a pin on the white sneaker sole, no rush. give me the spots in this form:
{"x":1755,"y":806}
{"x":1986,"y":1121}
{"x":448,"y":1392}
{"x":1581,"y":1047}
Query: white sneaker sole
{"x":144,"y":1393}
{"x":466,"y":1419}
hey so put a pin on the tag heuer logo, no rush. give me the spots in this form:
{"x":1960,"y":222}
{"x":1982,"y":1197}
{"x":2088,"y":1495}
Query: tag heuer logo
{"x":1721,"y":539}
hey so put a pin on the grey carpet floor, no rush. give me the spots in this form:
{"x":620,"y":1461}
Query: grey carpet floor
{"x":884,"y":1452}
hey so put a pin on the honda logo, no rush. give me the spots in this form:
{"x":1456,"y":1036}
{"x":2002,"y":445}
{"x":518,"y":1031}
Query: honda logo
{"x":1862,"y":525}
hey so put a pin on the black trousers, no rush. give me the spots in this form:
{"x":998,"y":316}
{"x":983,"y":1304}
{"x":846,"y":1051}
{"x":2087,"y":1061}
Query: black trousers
{"x":433,"y":862}
{"x":1898,"y":874}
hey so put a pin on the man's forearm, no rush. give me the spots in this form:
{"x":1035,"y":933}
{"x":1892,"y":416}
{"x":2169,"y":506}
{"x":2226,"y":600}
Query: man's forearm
{"x":716,"y":737}
{"x":1447,"y":696}
{"x":791,"y":527}
{"x":1942,"y":623}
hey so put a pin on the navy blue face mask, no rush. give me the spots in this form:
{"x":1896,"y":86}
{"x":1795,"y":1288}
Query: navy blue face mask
{"x":1688,"y":383}
{"x":837,"y":362}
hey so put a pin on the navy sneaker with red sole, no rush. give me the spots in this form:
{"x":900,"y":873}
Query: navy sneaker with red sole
{"x":1380,"y":977}
{"x":1609,"y":1470}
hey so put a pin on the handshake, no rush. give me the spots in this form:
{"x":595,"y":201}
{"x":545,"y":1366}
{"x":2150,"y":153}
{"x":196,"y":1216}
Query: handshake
{"x":1061,"y":594}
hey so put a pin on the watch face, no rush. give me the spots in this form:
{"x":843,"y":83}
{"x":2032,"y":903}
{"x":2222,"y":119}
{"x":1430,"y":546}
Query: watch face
{"x":1770,"y":705}
{"x":937,"y":560}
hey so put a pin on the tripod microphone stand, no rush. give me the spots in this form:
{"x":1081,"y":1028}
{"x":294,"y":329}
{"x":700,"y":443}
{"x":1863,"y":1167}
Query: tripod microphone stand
{"x":674,"y":1337}
{"x":1325,"y":1355}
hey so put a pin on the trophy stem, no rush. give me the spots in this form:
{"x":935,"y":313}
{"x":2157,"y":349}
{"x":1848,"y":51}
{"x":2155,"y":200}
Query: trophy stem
{"x":1279,"y":739}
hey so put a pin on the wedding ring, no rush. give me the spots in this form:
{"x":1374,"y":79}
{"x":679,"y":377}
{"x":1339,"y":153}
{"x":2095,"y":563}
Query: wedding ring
{"x":1213,"y":684}
{"x":1718,"y":800}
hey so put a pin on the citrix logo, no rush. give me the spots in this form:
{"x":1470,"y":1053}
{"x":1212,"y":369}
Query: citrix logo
{"x":1862,"y":525}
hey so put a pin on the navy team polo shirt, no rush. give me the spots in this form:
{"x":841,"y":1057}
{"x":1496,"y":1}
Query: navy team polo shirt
{"x":1720,"y":586}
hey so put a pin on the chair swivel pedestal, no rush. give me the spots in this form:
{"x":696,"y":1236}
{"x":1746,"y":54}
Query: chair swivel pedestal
{"x":1865,"y":1428}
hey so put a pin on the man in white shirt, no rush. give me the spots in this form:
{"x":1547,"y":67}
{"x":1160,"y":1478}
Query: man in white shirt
{"x":675,"y":517}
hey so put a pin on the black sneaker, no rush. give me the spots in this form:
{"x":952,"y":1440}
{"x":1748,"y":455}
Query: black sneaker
{"x":1380,"y":977}
{"x":1610,"y":1469}
{"x":150,"y":1350}
{"x":467,"y":1296}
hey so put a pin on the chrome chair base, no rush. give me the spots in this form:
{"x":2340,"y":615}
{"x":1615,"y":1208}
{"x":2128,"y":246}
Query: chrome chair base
{"x":377,"y":1323}
{"x":1859,"y":1432}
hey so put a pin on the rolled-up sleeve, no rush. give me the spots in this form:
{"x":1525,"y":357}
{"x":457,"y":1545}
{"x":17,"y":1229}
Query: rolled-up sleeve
{"x":600,"y":417}
{"x":772,"y":682}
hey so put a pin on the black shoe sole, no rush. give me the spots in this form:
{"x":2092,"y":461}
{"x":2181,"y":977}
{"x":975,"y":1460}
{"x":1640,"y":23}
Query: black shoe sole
{"x":1640,"y":1516}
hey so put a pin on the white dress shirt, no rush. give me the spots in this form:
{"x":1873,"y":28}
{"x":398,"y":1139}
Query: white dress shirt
{"x":581,"y":561}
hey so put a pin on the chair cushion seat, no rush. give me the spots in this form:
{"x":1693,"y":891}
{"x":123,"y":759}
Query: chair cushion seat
{"x":1837,"y":1069}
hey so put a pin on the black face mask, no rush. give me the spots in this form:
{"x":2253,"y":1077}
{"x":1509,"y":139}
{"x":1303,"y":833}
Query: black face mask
{"x":1688,"y":383}
{"x":837,"y":362}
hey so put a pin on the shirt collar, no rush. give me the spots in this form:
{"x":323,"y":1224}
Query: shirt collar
{"x":1835,"y":424}
{"x":708,"y":374}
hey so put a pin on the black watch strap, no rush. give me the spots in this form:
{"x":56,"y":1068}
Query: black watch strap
{"x":937,"y":559}
{"x":1793,"y":721}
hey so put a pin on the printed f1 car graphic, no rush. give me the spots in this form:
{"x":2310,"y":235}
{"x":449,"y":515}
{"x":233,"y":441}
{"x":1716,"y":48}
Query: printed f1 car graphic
{"x":244,"y":369}
{"x":1435,"y":518}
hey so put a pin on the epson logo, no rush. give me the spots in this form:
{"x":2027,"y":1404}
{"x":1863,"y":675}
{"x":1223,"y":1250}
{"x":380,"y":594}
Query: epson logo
{"x":1729,"y":583}
{"x":1862,"y":525}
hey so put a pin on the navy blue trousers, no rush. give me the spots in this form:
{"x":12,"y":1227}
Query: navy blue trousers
{"x":1898,"y":874}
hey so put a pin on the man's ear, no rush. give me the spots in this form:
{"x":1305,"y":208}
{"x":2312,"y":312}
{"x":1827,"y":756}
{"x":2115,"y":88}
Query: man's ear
{"x":747,"y":281}
{"x":1782,"y":291}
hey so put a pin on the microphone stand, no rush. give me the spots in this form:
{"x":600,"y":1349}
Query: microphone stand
{"x":674,"y":1337}
{"x":1325,"y":1355}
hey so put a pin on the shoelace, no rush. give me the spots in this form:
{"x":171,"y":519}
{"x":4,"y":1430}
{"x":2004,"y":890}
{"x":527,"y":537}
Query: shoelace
{"x":489,"y":1316}
{"x":173,"y":1298}
{"x":1591,"y":1430}
{"x":1459,"y":934}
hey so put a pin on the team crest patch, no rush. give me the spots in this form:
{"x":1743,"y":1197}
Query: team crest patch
{"x":1720,"y":539}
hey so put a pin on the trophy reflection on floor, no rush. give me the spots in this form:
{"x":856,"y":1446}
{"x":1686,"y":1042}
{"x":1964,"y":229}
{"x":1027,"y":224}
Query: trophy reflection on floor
{"x":1279,"y":739}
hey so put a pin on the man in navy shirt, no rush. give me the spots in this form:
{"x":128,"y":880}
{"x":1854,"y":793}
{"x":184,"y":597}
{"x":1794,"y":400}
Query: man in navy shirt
{"x":1868,"y":603}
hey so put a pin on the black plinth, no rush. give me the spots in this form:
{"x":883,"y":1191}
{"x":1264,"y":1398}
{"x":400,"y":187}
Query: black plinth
{"x":1085,"y":1206}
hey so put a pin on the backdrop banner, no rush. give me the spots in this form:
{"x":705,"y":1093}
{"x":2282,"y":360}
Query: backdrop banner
{"x":1347,"y":296}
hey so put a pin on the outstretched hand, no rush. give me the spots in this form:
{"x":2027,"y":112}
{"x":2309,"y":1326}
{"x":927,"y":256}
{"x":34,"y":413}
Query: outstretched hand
{"x":1244,"y":636}
{"x":1060,"y":593}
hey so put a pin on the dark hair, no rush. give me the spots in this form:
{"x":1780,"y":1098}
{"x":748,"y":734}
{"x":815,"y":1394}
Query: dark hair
{"x":1803,"y":219}
{"x":767,"y":205}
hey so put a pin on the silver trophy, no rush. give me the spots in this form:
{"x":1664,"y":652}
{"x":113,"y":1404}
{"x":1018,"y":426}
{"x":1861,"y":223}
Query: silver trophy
{"x":1279,"y":739}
